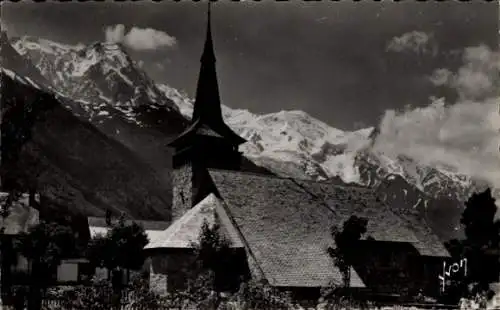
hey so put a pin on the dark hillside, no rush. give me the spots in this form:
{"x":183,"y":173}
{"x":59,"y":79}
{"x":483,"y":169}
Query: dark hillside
{"x":71,"y":162}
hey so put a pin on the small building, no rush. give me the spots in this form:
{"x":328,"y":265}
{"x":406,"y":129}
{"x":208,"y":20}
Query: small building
{"x":72,"y":271}
{"x":171,"y":253}
{"x":16,"y":268}
{"x":22,"y":215}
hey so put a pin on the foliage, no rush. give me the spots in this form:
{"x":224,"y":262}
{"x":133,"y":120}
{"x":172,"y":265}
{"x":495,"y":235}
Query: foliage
{"x":46,"y":243}
{"x":481,"y":247}
{"x":252,"y":296}
{"x":122,"y":247}
{"x":352,"y":231}
{"x":7,"y":201}
{"x":142,"y":297}
{"x":95,"y":297}
{"x":259,"y":295}
{"x":482,"y":241}
{"x":478,"y":218}
{"x":211,"y":246}
{"x":213,"y":256}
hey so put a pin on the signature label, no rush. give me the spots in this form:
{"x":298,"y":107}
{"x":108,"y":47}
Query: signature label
{"x":452,"y":269}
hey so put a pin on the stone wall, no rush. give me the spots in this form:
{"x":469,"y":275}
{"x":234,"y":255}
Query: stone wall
{"x":182,"y":190}
{"x":169,"y":271}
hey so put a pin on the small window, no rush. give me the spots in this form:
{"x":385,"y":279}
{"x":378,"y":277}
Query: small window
{"x":182,"y":197}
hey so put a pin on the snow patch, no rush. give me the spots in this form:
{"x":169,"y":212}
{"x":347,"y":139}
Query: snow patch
{"x":103,"y":113}
{"x":24,"y":80}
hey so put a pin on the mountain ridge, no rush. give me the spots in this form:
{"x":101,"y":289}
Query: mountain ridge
{"x":290,"y":143}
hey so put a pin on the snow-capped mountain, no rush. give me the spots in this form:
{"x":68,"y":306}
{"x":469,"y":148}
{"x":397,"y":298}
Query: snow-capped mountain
{"x":326,"y":152}
{"x":101,"y":77}
{"x":112,"y":90}
{"x":107,"y":89}
{"x":134,"y":128}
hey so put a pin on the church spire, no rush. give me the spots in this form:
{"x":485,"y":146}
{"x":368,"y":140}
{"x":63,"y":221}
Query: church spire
{"x":208,"y":50}
{"x":207,"y":106}
{"x":207,"y":112}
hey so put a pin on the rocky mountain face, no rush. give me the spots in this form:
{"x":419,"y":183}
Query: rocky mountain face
{"x":111,"y":92}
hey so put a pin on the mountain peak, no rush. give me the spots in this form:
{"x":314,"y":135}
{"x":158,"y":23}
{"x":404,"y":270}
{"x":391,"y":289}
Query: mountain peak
{"x":100,"y":77}
{"x":24,"y":44}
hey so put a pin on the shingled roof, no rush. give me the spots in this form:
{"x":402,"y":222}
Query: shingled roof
{"x":384,"y":224}
{"x":286,"y":225}
{"x":186,"y":230}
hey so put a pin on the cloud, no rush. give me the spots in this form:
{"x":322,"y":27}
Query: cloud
{"x":160,"y":66}
{"x":415,"y":41}
{"x":139,"y":38}
{"x":115,"y":34}
{"x":463,"y":136}
{"x":477,"y":79}
{"x":441,"y":76}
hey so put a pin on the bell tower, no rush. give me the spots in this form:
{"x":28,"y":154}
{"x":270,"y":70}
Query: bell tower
{"x":208,"y":142}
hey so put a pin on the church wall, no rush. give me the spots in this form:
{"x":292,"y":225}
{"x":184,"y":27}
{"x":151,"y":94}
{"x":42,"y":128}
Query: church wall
{"x":182,"y":190}
{"x":168,"y":270}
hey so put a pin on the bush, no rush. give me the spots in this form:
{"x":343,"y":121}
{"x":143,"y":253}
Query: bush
{"x":95,"y":297}
{"x":251,"y":296}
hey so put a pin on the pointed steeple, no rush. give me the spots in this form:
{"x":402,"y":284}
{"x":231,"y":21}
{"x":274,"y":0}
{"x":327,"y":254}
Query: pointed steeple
{"x":208,"y":49}
{"x":207,"y":112}
{"x":207,"y":104}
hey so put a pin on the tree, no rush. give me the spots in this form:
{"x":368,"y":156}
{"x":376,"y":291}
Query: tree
{"x":213,"y":255}
{"x":480,"y":247}
{"x":211,"y":246}
{"x":478,"y":218}
{"x":44,"y":245}
{"x":352,"y":231}
{"x":122,"y":248}
{"x":482,"y":237}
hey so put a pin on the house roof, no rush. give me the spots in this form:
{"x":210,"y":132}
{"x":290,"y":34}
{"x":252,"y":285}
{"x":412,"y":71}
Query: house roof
{"x":21,"y":215}
{"x":384,"y":223}
{"x":287,"y":223}
{"x":146,"y":224}
{"x":98,"y":226}
{"x":186,"y":230}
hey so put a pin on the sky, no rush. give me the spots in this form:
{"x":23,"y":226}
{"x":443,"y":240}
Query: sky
{"x":345,"y":63}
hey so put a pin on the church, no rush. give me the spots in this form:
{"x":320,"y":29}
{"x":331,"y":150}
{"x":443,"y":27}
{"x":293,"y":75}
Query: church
{"x":280,"y":228}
